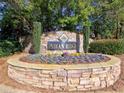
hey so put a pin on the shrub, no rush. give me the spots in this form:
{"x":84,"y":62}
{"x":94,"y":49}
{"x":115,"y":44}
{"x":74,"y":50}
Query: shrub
{"x":37,"y":36}
{"x":8,"y":47}
{"x":107,"y":47}
{"x":86,"y":40}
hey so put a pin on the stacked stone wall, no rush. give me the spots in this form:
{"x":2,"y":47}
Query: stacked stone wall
{"x":66,"y":79}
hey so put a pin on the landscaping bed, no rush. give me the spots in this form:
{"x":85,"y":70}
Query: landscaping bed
{"x":117,"y":87}
{"x":66,"y":58}
{"x":71,"y":77}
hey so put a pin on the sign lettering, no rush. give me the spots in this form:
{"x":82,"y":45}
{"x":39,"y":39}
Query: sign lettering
{"x":61,"y":46}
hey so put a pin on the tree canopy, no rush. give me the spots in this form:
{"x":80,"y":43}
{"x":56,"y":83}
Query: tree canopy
{"x":104,"y":17}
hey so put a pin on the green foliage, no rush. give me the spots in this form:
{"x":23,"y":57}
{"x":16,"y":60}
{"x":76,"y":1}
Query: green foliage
{"x":116,"y":7}
{"x":37,"y":29}
{"x":107,"y":47}
{"x":85,"y":10}
{"x":49,"y":12}
{"x":82,"y":10}
{"x":108,"y":14}
{"x":105,"y":28}
{"x":15,"y":25}
{"x":8,"y":47}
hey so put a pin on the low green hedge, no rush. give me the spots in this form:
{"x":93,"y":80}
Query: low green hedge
{"x":107,"y":47}
{"x":8,"y":47}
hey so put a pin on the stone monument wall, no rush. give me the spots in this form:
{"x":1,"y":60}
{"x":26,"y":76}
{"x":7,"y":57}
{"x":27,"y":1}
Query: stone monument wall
{"x":54,"y":37}
{"x":67,"y":79}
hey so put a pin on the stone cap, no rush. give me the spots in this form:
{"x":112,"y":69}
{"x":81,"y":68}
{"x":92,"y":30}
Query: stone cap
{"x":14,"y":61}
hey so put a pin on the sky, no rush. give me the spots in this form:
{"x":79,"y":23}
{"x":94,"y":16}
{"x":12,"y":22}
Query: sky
{"x":2,"y":8}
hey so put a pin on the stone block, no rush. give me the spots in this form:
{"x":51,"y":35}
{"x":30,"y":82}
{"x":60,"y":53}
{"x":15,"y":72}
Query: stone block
{"x":60,"y":84}
{"x":86,"y":75}
{"x":18,"y":75}
{"x":84,"y":81}
{"x":18,"y":69}
{"x":81,"y":88}
{"x":53,"y":75}
{"x":110,"y":82}
{"x":102,"y":78}
{"x":56,"y":88}
{"x":103,"y":75}
{"x":45,"y":86}
{"x":60,"y":72}
{"x":21,"y":72}
{"x":107,"y":68}
{"x":44,"y":75}
{"x":73,"y":81}
{"x":29,"y":77}
{"x":98,"y":70}
{"x":103,"y":84}
{"x":46,"y":71}
{"x":97,"y":84}
{"x":45,"y":79}
{"x":88,"y":70}
{"x":88,"y":86}
{"x":61,"y":79}
{"x":108,"y":78}
{"x":95,"y":79}
{"x":94,"y":75}
{"x":37,"y":84}
{"x":48,"y":83}
{"x":74,"y":73}
{"x":72,"y":89}
{"x":53,"y":79}
{"x":21,"y":81}
{"x":32,"y":81}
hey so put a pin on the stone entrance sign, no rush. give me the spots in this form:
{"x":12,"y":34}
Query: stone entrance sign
{"x":60,"y":41}
{"x":62,"y":44}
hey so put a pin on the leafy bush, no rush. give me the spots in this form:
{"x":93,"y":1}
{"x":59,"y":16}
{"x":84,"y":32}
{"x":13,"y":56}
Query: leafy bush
{"x":8,"y":47}
{"x":107,"y":47}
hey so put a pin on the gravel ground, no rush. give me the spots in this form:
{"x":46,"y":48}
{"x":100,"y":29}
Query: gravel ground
{"x":9,"y":86}
{"x":9,"y":89}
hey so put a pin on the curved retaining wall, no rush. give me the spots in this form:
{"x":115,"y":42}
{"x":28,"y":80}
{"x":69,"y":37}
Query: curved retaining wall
{"x":66,"y":78}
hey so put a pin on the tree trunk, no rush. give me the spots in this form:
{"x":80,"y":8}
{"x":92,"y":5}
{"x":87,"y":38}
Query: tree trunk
{"x":117,"y":29}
